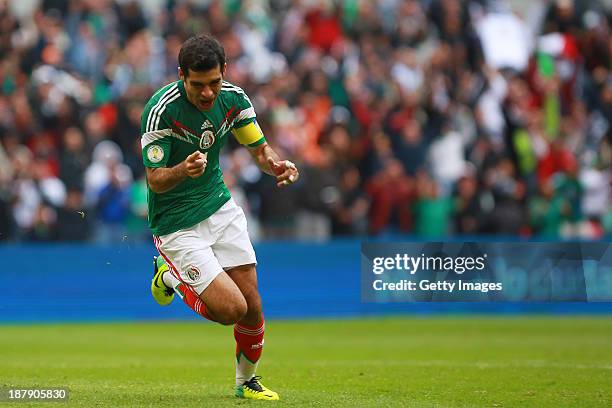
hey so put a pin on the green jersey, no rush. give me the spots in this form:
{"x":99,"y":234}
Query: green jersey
{"x":173,"y":128}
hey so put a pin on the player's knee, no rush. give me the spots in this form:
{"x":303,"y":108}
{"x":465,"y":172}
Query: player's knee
{"x":254,"y":309}
{"x":233,"y":312}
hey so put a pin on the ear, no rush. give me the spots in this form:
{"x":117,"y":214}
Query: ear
{"x":224,"y":69}
{"x":181,"y":74}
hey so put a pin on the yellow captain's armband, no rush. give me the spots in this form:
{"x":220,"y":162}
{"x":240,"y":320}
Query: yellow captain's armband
{"x":249,"y":135}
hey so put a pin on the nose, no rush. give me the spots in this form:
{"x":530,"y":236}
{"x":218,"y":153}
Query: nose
{"x":207,"y":92}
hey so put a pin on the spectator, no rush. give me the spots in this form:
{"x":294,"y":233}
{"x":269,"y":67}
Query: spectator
{"x":73,"y":219}
{"x":74,"y":158}
{"x":391,"y":193}
{"x":368,"y":95}
{"x":469,"y":209}
{"x":113,"y":205}
{"x":433,"y":212}
{"x":349,"y":212}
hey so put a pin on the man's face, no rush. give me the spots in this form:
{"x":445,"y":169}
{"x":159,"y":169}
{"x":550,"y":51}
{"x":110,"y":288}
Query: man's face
{"x":203,"y":87}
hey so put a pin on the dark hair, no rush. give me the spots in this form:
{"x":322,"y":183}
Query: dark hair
{"x":201,"y":53}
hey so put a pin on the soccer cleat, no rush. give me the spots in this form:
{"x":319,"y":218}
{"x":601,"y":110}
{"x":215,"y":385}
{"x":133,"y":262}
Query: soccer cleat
{"x":161,"y":293}
{"x":253,"y":389}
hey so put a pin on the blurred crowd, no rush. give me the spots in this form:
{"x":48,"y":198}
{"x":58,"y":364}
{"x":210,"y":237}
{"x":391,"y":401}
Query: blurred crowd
{"x":423,"y":117}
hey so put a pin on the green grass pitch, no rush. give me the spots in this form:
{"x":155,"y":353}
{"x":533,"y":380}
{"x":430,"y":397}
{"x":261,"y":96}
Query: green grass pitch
{"x":377,"y":362}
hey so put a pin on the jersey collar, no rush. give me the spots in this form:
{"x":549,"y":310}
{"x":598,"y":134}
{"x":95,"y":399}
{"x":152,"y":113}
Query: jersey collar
{"x":181,"y":87}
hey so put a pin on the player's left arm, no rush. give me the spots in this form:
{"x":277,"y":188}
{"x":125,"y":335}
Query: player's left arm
{"x":267,"y":159}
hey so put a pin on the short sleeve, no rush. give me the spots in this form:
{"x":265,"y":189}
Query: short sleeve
{"x":246,"y":112}
{"x":156,"y":137}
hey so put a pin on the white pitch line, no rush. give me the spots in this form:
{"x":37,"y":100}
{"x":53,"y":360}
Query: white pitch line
{"x":475,"y":364}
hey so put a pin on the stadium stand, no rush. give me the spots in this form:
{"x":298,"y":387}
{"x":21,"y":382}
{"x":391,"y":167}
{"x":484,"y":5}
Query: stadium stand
{"x":431,"y":118}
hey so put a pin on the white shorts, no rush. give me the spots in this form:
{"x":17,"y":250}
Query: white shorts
{"x":199,"y":253}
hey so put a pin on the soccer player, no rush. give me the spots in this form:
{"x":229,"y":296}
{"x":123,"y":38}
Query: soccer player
{"x":201,"y":234}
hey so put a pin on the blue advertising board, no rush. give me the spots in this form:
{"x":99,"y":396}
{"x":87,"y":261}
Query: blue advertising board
{"x":53,"y":283}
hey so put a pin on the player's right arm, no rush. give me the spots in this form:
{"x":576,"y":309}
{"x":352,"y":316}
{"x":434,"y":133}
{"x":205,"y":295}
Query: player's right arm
{"x":156,"y":142}
{"x":162,"y":179}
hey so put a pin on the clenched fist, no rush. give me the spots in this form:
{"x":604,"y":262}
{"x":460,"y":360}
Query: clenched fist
{"x":195,"y":164}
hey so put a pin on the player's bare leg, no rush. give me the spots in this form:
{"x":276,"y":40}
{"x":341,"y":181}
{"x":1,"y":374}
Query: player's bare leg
{"x":233,"y":298}
{"x":220,"y":302}
{"x":224,"y":302}
{"x":249,"y":335}
{"x":245,"y":278}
